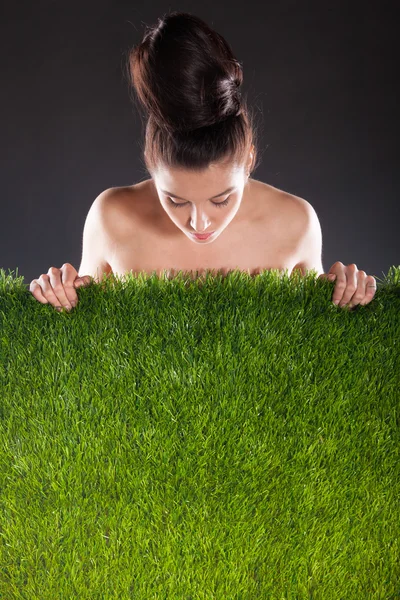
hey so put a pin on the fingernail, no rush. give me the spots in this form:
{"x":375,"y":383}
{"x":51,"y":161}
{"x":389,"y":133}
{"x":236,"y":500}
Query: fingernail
{"x":336,"y":302}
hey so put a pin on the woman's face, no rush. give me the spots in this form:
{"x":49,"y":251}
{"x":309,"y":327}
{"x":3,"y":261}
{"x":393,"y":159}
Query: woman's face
{"x":201,"y":202}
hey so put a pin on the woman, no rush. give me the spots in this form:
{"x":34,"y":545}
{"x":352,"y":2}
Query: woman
{"x":200,"y":210}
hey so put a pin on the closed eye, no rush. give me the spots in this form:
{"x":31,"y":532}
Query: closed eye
{"x":175,"y":204}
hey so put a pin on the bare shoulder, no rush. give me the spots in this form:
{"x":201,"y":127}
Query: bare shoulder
{"x":305,"y":216}
{"x":114,"y":196}
{"x":304,"y":219}
{"x":128,"y":207}
{"x":96,"y":236}
{"x":306,"y":233}
{"x":296,"y":219}
{"x":302,"y":209}
{"x":130,"y":197}
{"x":290,"y":212}
{"x":118,"y":206}
{"x":106,"y":212}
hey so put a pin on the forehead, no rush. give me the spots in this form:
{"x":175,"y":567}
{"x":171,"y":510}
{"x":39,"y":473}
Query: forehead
{"x":208,"y":182}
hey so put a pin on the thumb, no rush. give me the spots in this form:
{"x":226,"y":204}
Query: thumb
{"x":328,"y":276}
{"x":80,"y":281}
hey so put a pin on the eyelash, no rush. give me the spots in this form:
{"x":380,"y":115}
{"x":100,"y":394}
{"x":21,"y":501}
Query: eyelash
{"x":175,"y":205}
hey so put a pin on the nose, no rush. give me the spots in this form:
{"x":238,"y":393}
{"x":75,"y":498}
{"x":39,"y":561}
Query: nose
{"x":199,"y":223}
{"x":200,"y":230}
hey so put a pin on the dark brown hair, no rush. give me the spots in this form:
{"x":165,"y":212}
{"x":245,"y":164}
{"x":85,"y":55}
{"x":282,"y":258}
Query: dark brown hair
{"x":188,"y":82}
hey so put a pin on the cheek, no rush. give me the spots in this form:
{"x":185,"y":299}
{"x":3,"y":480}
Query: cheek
{"x":173,"y":213}
{"x":226,"y":213}
{"x":233,"y":209}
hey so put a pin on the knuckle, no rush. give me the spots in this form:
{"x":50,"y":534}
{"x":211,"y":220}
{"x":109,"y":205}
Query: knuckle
{"x":361,"y":274}
{"x":53,"y":270}
{"x":353,"y":266}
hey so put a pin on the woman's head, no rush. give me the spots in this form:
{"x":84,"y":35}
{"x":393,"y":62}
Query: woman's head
{"x":201,"y":202}
{"x":198,"y":128}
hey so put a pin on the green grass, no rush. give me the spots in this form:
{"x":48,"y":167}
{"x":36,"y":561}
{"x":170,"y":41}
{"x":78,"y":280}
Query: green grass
{"x":219,"y":438}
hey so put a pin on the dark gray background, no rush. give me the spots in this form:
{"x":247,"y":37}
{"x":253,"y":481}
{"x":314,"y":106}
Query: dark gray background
{"x":322,"y":77}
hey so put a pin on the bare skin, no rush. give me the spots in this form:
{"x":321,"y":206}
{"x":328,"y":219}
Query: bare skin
{"x":142,"y":228}
{"x":264,"y":233}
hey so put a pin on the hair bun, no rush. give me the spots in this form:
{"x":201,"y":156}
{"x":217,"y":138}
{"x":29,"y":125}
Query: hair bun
{"x":185,"y":74}
{"x":189,"y":83}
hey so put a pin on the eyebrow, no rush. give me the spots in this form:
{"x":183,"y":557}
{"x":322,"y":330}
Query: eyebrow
{"x":217,"y":196}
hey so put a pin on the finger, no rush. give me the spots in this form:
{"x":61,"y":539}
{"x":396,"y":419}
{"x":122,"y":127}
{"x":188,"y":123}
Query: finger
{"x":351,"y":284}
{"x":359,"y":294}
{"x":328,"y":277}
{"x":83,"y":281}
{"x":48,"y":291}
{"x":36,"y":292}
{"x":55,"y":282}
{"x":340,"y":285}
{"x":71,"y":282}
{"x":370,"y":289}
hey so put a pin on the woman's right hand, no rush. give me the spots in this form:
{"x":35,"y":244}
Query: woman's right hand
{"x":58,"y":286}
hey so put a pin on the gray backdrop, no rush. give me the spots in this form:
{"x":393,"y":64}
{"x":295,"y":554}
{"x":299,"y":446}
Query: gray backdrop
{"x":322,"y":76}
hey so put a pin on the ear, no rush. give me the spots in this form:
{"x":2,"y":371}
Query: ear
{"x":250,"y":160}
{"x":309,"y":253}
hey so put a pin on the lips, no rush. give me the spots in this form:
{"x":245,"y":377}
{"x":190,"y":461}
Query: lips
{"x":202,"y":236}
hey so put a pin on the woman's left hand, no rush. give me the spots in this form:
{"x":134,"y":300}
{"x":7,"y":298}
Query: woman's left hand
{"x":352,"y":286}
